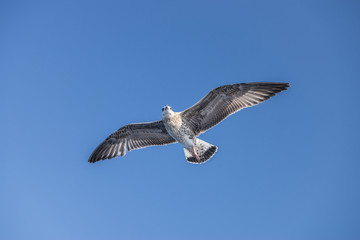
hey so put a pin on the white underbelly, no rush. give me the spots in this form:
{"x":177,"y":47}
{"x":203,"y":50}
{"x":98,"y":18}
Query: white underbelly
{"x":180,"y":135}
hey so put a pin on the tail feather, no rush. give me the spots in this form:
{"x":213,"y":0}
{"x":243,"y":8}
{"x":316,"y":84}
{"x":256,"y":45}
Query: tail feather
{"x":203,"y":149}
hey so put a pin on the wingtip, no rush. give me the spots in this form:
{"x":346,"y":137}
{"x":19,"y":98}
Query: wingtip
{"x":285,"y":86}
{"x":92,"y":159}
{"x":281,"y":86}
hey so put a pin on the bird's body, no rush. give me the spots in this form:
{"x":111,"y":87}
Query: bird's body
{"x":181,"y":132}
{"x":185,"y":126}
{"x":177,"y":128}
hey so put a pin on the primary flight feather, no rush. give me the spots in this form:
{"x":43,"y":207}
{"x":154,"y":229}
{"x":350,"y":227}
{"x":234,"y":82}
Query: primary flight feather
{"x":184,"y":127}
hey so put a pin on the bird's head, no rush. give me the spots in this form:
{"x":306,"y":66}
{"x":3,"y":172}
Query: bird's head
{"x":167,"y":111}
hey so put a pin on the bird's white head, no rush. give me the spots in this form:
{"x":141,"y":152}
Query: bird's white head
{"x":167,"y":112}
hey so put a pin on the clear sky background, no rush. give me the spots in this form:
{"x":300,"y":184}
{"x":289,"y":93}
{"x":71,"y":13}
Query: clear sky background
{"x":73,"y":72}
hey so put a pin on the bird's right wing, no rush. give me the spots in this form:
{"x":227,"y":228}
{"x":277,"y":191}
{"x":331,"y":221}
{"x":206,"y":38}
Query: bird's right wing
{"x":132,"y":136}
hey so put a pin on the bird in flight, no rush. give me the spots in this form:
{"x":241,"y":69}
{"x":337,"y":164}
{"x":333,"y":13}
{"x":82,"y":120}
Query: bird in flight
{"x":185,"y":126}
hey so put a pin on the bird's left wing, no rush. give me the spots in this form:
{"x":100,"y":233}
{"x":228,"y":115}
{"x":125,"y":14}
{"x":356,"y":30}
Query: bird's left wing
{"x":223,"y":101}
{"x":132,"y":136}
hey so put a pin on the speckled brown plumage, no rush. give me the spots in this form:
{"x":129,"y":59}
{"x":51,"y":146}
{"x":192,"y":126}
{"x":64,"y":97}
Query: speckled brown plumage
{"x":226,"y":100}
{"x":183,"y":127}
{"x":130,"y":137}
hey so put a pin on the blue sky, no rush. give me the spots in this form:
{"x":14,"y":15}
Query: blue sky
{"x":72,"y":72}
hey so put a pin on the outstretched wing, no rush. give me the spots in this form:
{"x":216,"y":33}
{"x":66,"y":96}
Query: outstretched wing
{"x":132,"y":136}
{"x":223,"y":101}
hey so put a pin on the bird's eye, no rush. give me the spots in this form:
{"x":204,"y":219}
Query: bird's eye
{"x":162,"y":109}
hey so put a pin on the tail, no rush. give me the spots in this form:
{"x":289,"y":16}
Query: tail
{"x":202,"y":149}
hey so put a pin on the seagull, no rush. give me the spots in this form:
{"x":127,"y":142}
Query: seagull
{"x":185,"y":126}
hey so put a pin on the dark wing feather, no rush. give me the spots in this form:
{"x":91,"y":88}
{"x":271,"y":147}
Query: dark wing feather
{"x":132,"y":136}
{"x":223,"y":101}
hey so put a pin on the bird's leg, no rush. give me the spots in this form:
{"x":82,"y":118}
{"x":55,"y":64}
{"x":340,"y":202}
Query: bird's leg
{"x":194,"y":154}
